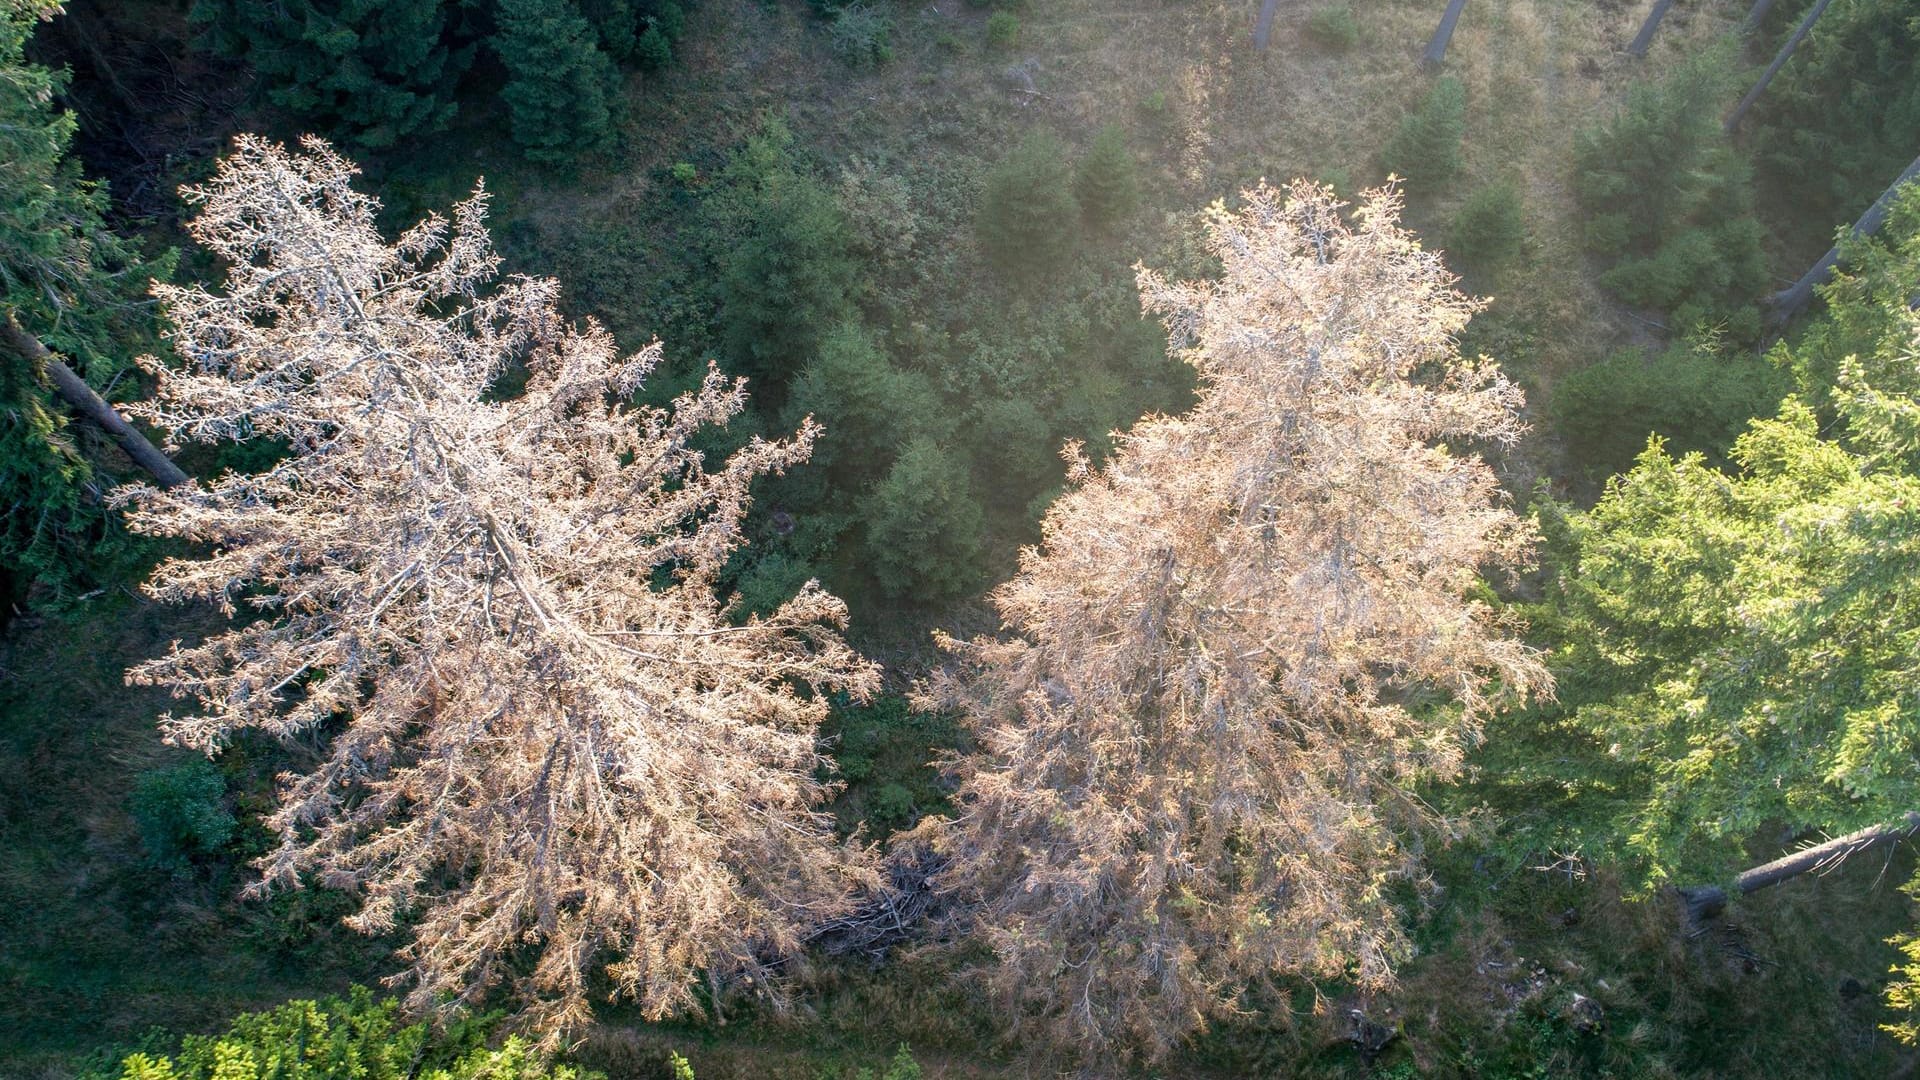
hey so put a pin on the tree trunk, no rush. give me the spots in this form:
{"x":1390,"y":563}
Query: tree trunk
{"x":1264,"y":27}
{"x":91,"y":405}
{"x":1787,"y":302}
{"x":1755,"y":14}
{"x":1437,"y":48}
{"x":1706,"y":901}
{"x":1779,"y":61}
{"x":1645,"y":37}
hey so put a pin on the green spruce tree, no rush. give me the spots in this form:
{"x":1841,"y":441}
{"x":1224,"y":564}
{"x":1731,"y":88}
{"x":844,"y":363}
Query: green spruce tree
{"x":923,"y":528}
{"x":78,"y":289}
{"x":367,"y":72}
{"x":1106,"y":182}
{"x":561,"y":87}
{"x":1028,"y":218}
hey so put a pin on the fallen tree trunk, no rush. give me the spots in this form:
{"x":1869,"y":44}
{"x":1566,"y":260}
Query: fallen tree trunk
{"x":1437,"y":48}
{"x":1264,"y":28}
{"x":1644,"y":38}
{"x":1787,"y":303}
{"x":71,"y":387}
{"x":1705,"y":901}
{"x":1779,"y":61}
{"x":1754,"y":14}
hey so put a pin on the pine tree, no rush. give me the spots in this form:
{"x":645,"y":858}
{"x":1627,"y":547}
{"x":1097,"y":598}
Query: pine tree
{"x":1426,"y":149}
{"x":561,"y":88}
{"x":787,"y":275}
{"x":548,"y":751}
{"x":1106,"y":183}
{"x":368,"y":72}
{"x":74,"y":287}
{"x":1228,"y":656}
{"x":1739,"y":645}
{"x":923,"y":528}
{"x":1028,"y":219}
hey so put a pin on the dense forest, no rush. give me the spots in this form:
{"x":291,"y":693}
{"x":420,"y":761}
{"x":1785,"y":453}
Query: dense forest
{"x":581,"y":539}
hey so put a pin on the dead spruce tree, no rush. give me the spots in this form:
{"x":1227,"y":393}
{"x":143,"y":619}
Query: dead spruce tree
{"x":1239,"y":645}
{"x":547,"y":750}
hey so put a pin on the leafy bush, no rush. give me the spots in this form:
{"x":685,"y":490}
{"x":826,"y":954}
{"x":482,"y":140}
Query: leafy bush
{"x":1105,"y":183}
{"x":1488,"y":229}
{"x":1691,"y":396}
{"x":1028,"y":216}
{"x":859,"y":35}
{"x":1335,"y":27}
{"x":1426,"y":149}
{"x":1670,"y":201}
{"x":180,"y":813}
{"x":354,"y":1037}
{"x":1003,"y":30}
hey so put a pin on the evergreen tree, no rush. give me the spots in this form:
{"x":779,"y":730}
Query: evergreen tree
{"x":1224,"y":664}
{"x":1426,"y":149}
{"x":1669,"y":201}
{"x":923,"y":528}
{"x":368,"y":72}
{"x":1106,"y":182}
{"x":866,"y":407}
{"x":787,"y":275}
{"x":1028,"y":218}
{"x":1738,"y":647}
{"x":1844,"y":115}
{"x":561,"y":88}
{"x":73,"y":285}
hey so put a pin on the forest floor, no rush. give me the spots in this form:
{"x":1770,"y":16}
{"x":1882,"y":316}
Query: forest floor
{"x":97,"y":947}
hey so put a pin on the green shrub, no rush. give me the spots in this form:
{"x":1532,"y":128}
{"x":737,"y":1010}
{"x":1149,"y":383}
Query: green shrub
{"x":180,"y":813}
{"x":1106,"y":184}
{"x":1691,"y":396}
{"x":924,"y":527}
{"x":1334,"y":27}
{"x":1003,"y":30}
{"x":1488,"y":229}
{"x":859,"y":36}
{"x":1028,"y":217}
{"x":1667,"y":198}
{"x":1426,"y":149}
{"x":354,"y":1037}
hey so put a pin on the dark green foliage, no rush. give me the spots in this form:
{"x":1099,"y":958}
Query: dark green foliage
{"x":1697,"y":400}
{"x":1028,"y":218}
{"x":1334,"y":27}
{"x":77,"y":287}
{"x":1669,"y":201}
{"x":180,"y":811}
{"x":1013,"y":456}
{"x":1426,"y":149}
{"x":561,"y":88}
{"x":786,"y":275}
{"x":884,"y":751}
{"x":352,"y":1038}
{"x":368,"y":72}
{"x":923,"y":528}
{"x":1106,"y":182}
{"x":1843,"y":117}
{"x":1487,"y":230}
{"x":859,"y":35}
{"x":868,"y":406}
{"x":1003,"y":30}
